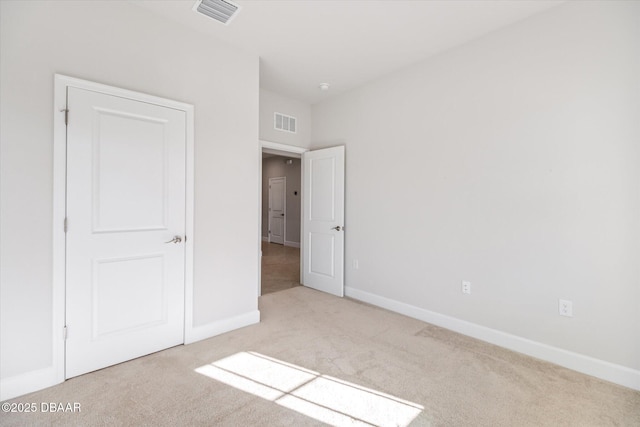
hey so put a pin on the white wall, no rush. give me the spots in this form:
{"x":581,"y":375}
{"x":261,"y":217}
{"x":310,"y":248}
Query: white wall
{"x":274,"y":167}
{"x":271,"y":102}
{"x":122,"y":45}
{"x":514,"y":162}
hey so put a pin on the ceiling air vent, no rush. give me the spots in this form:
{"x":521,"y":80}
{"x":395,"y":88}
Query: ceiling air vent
{"x":220,"y":10}
{"x":284,"y":123}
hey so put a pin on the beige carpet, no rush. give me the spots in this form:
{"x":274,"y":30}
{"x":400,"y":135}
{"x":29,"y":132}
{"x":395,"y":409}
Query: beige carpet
{"x":458,"y":381}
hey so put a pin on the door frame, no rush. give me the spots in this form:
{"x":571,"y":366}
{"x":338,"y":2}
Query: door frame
{"x":276,"y":148}
{"x":61,"y":83}
{"x":284,"y":220}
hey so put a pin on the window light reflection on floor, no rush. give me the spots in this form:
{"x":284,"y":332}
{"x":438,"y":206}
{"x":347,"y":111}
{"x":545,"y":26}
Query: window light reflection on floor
{"x":321,"y":397}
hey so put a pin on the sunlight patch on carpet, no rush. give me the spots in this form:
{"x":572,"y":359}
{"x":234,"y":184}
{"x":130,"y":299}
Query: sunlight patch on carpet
{"x":318,"y":396}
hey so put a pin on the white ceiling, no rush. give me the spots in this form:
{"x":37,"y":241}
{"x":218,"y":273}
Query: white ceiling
{"x":346,"y":43}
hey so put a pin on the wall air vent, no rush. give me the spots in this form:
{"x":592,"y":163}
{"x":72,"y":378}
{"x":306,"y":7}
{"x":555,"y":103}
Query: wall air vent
{"x":220,"y":10}
{"x":284,"y":123}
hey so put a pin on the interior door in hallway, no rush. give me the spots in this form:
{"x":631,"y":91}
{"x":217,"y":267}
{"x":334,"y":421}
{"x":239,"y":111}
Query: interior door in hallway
{"x":277,"y":207}
{"x":125,"y":257}
{"x":323,"y":220}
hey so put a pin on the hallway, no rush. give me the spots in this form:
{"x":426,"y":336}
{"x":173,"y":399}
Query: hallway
{"x":280,"y":267}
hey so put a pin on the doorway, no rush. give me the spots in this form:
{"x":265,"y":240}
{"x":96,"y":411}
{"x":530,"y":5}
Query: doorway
{"x":321,"y":201}
{"x":281,"y":212}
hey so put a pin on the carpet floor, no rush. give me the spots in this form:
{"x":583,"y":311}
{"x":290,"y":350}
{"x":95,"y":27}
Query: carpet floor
{"x":315,"y":359}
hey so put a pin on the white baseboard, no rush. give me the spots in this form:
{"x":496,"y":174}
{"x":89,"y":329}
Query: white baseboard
{"x":209,"y":330}
{"x":28,"y":382}
{"x":265,"y":238}
{"x":578,"y":362}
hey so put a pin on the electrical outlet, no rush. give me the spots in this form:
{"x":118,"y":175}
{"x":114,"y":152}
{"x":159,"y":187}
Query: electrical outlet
{"x":565,"y":307}
{"x":355,"y":264}
{"x":466,"y":287}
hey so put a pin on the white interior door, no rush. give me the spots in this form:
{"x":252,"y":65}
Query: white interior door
{"x":323,"y":220}
{"x":125,"y":199}
{"x":277,"y":203}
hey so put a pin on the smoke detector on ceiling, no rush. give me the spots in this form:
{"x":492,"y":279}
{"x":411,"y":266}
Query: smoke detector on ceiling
{"x":220,"y":10}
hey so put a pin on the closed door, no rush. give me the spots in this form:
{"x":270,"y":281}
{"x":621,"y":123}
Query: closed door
{"x":277,"y":203}
{"x":125,"y":256}
{"x":323,"y":220}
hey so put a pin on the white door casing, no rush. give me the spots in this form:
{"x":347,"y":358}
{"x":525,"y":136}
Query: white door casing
{"x":126,"y":196}
{"x":323,"y":220}
{"x":277,"y":209}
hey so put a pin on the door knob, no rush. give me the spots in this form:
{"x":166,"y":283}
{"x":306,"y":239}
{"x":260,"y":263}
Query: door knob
{"x":176,"y":239}
{"x":338,"y":228}
{"x":282,"y":214}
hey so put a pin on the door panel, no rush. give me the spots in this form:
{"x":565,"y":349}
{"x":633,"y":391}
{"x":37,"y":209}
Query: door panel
{"x":277,"y":213}
{"x":142,"y":280}
{"x":321,"y":254}
{"x":134,"y":197}
{"x":125,"y":199}
{"x":322,"y":186}
{"x":323,"y":220}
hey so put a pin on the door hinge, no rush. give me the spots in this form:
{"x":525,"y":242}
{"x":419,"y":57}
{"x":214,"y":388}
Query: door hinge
{"x":64,"y":332}
{"x":66,"y":115}
{"x":269,"y":231}
{"x":65,"y":225}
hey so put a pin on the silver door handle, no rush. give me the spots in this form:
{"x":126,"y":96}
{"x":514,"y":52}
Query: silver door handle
{"x":338,"y":228}
{"x":176,"y":239}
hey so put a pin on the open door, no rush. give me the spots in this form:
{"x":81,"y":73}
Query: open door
{"x":323,"y":220}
